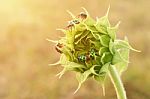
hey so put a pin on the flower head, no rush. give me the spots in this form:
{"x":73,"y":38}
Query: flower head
{"x":90,"y":47}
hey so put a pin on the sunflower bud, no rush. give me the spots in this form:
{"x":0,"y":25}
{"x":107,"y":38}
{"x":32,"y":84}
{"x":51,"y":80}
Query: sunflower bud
{"x":90,"y":47}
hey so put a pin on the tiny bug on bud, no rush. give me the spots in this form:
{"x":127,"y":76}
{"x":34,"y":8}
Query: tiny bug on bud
{"x":75,"y":21}
{"x":82,"y":58}
{"x":92,"y":53}
{"x":82,"y":15}
{"x":70,"y":25}
{"x":58,"y":47}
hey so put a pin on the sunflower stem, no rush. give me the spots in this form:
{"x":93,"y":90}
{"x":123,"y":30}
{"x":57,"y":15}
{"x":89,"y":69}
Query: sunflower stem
{"x":116,"y":80}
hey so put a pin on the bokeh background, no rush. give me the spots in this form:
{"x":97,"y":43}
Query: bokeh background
{"x":25,"y":53}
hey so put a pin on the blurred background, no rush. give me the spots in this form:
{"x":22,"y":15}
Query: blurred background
{"x":25,"y":53}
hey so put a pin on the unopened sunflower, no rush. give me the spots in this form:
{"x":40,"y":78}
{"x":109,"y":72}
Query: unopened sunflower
{"x":91,"y":49}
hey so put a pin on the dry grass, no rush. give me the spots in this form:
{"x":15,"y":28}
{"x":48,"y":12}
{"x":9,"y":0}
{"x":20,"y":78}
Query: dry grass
{"x":24,"y":52}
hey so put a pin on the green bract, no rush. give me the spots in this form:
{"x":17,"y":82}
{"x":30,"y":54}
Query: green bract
{"x":90,"y":47}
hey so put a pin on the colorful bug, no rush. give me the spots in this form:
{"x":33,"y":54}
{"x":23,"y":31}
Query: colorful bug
{"x":88,"y":56}
{"x":92,"y":53}
{"x":58,"y":47}
{"x":82,"y":58}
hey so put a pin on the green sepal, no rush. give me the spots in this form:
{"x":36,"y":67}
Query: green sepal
{"x":102,"y":50}
{"x":125,"y":44}
{"x":106,"y":57}
{"x":100,"y":72}
{"x":64,"y":59}
{"x":73,"y":65}
{"x":111,"y":46}
{"x":112,"y":31}
{"x":103,"y":21}
{"x":70,"y":66}
{"x":99,"y":78}
{"x":82,"y":77}
{"x":104,"y":69}
{"x":95,"y":69}
{"x":121,"y":56}
{"x":91,"y":28}
{"x":102,"y":24}
{"x":104,"y":39}
{"x":89,"y":21}
{"x":120,"y":59}
{"x":80,"y":27}
{"x":102,"y":76}
{"x":67,"y":52}
{"x":101,"y":29}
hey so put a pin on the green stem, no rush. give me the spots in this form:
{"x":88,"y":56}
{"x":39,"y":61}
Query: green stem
{"x":116,"y":80}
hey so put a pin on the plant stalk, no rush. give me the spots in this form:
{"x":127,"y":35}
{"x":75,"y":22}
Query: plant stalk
{"x":116,"y":80}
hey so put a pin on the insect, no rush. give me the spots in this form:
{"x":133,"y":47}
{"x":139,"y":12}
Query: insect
{"x":75,"y":21}
{"x":88,"y":56}
{"x":82,"y":58}
{"x":72,"y":23}
{"x":92,"y":53}
{"x":58,"y":47}
{"x":82,"y":15}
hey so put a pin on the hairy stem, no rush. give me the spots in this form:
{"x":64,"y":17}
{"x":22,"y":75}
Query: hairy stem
{"x":116,"y":80}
